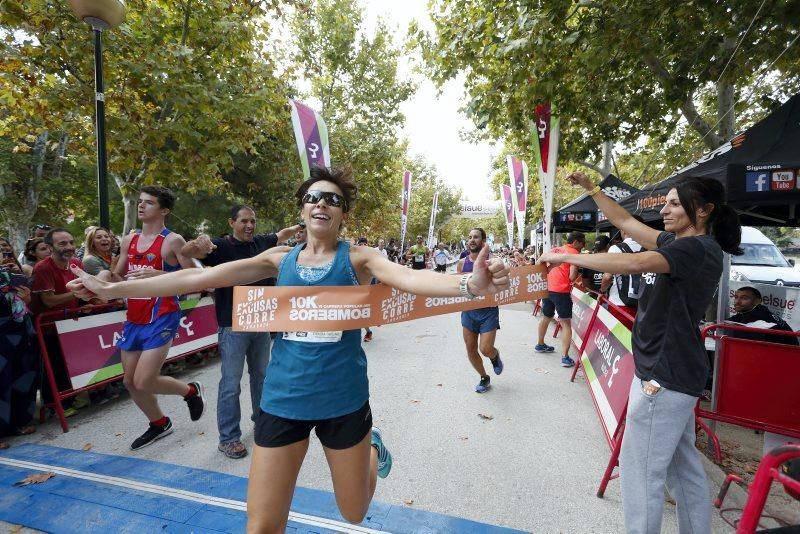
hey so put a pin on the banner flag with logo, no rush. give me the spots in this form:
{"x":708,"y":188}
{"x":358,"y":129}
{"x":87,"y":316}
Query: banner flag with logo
{"x":508,"y":206}
{"x":544,"y":141}
{"x":518,"y":175}
{"x":311,"y":135}
{"x":406,"y":201}
{"x":434,"y":209}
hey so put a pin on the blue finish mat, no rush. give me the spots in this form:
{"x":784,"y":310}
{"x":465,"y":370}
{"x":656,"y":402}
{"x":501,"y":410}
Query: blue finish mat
{"x":94,"y":492}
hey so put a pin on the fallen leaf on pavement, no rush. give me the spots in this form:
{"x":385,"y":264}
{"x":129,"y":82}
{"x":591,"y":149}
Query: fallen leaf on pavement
{"x":87,"y":447}
{"x":540,"y":370}
{"x":15,"y":529}
{"x":414,"y":401}
{"x":119,"y":434}
{"x":200,"y":433}
{"x":486,"y":416}
{"x":35,"y":479}
{"x":409,"y":501}
{"x":438,"y":385}
{"x":464,"y":438}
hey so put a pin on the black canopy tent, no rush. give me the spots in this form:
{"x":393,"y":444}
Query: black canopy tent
{"x":582,"y":213}
{"x":758,"y":167}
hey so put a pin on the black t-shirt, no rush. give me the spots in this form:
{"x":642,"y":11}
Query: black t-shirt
{"x":231,"y":249}
{"x":667,"y":345}
{"x":593,"y":278}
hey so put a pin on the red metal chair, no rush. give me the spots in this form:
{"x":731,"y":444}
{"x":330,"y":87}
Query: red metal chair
{"x":769,"y":470}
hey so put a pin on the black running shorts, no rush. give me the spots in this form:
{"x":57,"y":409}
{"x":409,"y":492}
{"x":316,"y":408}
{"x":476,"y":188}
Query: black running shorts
{"x":340,"y":432}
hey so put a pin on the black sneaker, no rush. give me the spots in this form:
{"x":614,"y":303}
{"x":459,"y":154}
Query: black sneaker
{"x":196,"y":402}
{"x":153,"y":433}
{"x":484,"y":385}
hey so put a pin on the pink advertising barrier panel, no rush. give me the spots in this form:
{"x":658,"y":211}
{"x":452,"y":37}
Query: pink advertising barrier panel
{"x":89,"y":344}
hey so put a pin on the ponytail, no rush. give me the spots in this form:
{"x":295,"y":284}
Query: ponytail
{"x":726,"y":229}
{"x":723,"y":222}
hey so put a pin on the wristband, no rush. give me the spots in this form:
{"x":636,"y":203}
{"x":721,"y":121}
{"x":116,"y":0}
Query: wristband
{"x":463,"y":287}
{"x":594,"y":191}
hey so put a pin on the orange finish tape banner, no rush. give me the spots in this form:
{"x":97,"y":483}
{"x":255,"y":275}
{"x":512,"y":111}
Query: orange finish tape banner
{"x":334,"y":308}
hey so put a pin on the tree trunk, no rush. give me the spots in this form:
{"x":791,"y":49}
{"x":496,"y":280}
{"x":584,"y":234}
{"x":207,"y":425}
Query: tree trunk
{"x":129,"y":202}
{"x":726,"y":114}
{"x":604,"y":167}
{"x":129,"y":194}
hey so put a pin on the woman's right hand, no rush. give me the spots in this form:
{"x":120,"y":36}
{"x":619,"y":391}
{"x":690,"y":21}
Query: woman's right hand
{"x":580,"y":178}
{"x":24,"y":293}
{"x":86,"y":286}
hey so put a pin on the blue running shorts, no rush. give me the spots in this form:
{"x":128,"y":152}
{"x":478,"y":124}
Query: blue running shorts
{"x":482,"y":320}
{"x":138,"y":337}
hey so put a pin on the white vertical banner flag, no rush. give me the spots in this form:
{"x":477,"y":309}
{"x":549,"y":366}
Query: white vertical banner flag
{"x":404,"y":213}
{"x":518,"y":175}
{"x":544,"y":141}
{"x":508,"y":207}
{"x":311,"y":135}
{"x":434,"y":209}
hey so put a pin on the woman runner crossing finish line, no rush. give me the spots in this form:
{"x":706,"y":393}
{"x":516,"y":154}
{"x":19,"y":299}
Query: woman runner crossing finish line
{"x":314,"y":379}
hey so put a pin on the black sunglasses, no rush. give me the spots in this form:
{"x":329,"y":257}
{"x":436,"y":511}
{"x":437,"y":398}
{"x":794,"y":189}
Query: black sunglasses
{"x":334,"y":200}
{"x":42,"y":227}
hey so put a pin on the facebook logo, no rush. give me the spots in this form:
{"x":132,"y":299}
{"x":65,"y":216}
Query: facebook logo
{"x":757,"y":182}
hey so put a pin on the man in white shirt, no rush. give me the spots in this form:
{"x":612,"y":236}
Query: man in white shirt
{"x":610,"y":281}
{"x":382,"y":248}
{"x":440,"y":257}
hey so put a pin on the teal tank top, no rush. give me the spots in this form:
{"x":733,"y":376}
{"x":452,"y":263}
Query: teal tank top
{"x":309,"y":380}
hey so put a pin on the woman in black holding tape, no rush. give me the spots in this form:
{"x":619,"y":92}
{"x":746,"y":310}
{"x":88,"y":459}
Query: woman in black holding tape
{"x":680,"y":271}
{"x":314,"y":379}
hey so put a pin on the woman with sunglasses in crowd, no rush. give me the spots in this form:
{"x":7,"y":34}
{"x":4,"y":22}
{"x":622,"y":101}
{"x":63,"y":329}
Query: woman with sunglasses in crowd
{"x":314,"y":379}
{"x":19,"y":353}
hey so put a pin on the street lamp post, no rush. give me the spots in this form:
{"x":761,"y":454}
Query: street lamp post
{"x":101,"y":15}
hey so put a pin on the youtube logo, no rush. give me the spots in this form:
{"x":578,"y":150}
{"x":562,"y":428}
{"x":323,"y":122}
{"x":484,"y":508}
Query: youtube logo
{"x":783,"y":180}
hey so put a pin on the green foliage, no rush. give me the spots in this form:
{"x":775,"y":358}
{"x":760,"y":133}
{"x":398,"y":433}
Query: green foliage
{"x":613,"y":70}
{"x":188,"y":87}
{"x":354,"y":77}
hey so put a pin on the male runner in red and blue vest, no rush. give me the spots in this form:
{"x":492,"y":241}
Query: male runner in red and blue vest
{"x":480,"y":326}
{"x":153,"y":322}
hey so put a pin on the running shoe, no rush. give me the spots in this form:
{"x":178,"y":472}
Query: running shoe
{"x":483,"y":386}
{"x":368,"y":336}
{"x":497,"y":364}
{"x":196,"y":402}
{"x":566,"y":361}
{"x":384,"y":456}
{"x":154,"y":433}
{"x":233,"y":449}
{"x":543,"y":348}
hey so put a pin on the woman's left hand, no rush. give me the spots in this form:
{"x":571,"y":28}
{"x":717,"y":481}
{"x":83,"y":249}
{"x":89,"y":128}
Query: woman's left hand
{"x":553,"y":259}
{"x":488,"y":275}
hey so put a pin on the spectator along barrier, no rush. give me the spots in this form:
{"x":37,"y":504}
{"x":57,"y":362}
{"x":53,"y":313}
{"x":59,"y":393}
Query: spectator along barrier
{"x":773,"y":467}
{"x":79,"y":349}
{"x":756,"y":382}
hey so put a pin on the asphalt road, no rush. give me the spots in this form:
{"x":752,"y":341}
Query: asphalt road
{"x":533,"y":463}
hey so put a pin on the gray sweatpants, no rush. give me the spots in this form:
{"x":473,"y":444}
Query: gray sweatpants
{"x":658,"y":447}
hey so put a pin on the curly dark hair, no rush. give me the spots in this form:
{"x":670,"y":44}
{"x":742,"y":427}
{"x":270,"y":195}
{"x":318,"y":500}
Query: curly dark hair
{"x":30,"y":247}
{"x":343,"y":179}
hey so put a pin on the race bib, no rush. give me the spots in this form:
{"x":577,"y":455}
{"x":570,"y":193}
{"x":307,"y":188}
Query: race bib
{"x":419,"y":258}
{"x":314,"y":337}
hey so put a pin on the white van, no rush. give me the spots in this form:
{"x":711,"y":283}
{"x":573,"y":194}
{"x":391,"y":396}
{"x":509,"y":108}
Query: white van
{"x":762,"y":262}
